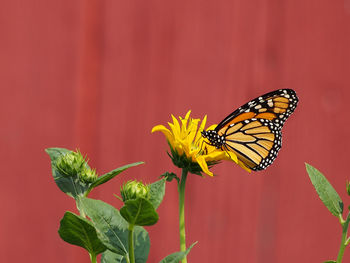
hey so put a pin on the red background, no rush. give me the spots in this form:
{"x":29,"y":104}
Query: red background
{"x":99,"y":75}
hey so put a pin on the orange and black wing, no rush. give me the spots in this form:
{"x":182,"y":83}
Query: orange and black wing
{"x":253,"y":131}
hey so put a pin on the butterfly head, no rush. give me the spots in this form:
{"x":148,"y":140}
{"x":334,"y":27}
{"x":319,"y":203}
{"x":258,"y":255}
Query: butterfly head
{"x":214,"y":138}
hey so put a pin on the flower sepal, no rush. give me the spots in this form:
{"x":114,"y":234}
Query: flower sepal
{"x":170,"y":176}
{"x":183,"y":162}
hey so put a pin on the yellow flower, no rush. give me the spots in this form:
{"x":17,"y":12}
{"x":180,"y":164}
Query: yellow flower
{"x":189,"y":149}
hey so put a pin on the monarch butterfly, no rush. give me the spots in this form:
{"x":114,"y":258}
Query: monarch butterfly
{"x":253,"y":131}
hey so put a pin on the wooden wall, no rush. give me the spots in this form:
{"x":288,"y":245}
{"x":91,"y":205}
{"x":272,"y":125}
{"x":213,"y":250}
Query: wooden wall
{"x":99,"y":75}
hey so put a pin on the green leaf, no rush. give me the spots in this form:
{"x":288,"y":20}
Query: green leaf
{"x":142,"y":244}
{"x":141,"y":253}
{"x":170,"y":176}
{"x":330,"y":261}
{"x":157,"y":192}
{"x":326,"y":192}
{"x":79,"y":231}
{"x":55,"y":153}
{"x":177,"y":256}
{"x":110,"y":257}
{"x":113,"y":229}
{"x":139,"y":212}
{"x":72,"y":186}
{"x":110,"y":175}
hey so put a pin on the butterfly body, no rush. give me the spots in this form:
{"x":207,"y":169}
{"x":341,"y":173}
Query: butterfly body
{"x":253,"y":131}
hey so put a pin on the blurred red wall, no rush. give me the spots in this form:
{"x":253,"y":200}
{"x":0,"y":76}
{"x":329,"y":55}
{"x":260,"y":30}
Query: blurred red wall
{"x":99,"y":75}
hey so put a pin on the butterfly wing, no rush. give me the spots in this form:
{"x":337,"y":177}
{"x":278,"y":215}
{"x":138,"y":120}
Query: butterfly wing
{"x":253,"y":131}
{"x":275,"y":105}
{"x":256,"y":142}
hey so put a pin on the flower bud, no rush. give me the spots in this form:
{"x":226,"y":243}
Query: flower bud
{"x":88,"y":175}
{"x":74,"y":164}
{"x":71,"y":163}
{"x":134,"y":189}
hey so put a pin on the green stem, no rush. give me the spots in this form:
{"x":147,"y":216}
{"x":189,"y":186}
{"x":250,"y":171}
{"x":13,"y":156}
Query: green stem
{"x":345,"y":226}
{"x":80,"y":209}
{"x":131,"y":243}
{"x":181,"y":189}
{"x":93,"y":258}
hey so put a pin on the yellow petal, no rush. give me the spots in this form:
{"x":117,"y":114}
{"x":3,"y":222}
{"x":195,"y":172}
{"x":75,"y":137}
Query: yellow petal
{"x":179,"y":148}
{"x":192,"y":130}
{"x":201,"y":128}
{"x":202,"y":163}
{"x":185,"y":121}
{"x":232,"y":156}
{"x":188,"y":114}
{"x":243,"y":166}
{"x":176,"y":123}
{"x":204,"y":121}
{"x":212,"y":127}
{"x":210,"y":148}
{"x":187,"y":151}
{"x":168,"y":135}
{"x":215,"y":156}
{"x":175,"y":131}
{"x":162,"y":129}
{"x":183,"y":126}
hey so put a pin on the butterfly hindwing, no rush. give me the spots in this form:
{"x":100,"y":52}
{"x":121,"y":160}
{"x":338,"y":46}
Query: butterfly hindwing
{"x":256,"y":142}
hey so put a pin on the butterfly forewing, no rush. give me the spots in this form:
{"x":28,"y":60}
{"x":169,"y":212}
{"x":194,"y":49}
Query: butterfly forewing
{"x":275,"y":105}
